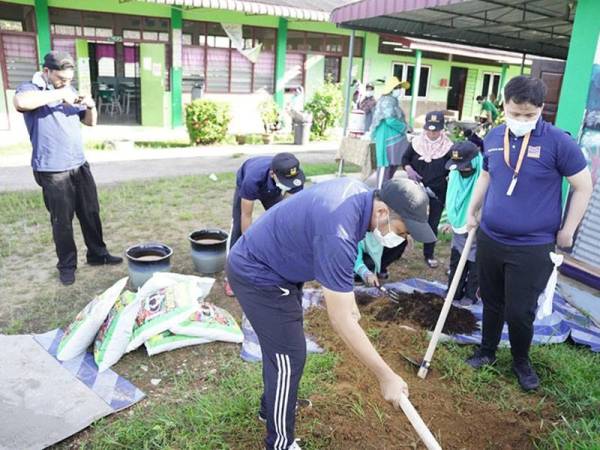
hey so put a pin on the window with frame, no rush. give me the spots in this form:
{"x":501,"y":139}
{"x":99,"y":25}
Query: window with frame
{"x":208,"y":54}
{"x":491,"y":84}
{"x":405,"y":71}
{"x":332,"y":68}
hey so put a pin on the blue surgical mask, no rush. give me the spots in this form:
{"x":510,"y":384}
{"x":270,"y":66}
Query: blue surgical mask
{"x":391,"y":239}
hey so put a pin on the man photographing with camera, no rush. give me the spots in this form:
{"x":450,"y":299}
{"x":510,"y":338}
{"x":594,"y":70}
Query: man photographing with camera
{"x":52,"y":110}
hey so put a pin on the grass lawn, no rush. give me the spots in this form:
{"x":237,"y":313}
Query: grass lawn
{"x":208,"y":397}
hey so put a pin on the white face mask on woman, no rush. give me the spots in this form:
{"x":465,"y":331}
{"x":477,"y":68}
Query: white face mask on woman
{"x":391,"y":239}
{"x":396,"y":92}
{"x":369,"y":94}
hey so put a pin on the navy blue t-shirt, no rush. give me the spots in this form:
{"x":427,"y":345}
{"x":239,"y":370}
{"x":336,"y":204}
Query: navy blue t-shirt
{"x":532,"y":215}
{"x":253,"y":181}
{"x":314,"y":235}
{"x":55,"y":134}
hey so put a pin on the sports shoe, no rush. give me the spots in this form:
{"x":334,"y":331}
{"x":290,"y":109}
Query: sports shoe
{"x":295,"y":445}
{"x":479,"y":359}
{"x":107,"y":259}
{"x":527,"y":377}
{"x":301,"y":403}
{"x":432,"y":263}
{"x":67,"y":276}
{"x":228,"y":290}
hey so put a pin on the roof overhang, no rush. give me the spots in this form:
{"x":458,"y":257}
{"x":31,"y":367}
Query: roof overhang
{"x":248,"y":7}
{"x":536,"y":27}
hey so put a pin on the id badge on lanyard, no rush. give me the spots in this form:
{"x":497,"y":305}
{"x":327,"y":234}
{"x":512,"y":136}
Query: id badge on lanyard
{"x":517,"y":169}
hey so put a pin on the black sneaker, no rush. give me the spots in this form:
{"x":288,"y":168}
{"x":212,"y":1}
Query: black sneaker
{"x":67,"y":276}
{"x":301,"y":403}
{"x":105,"y":259}
{"x":479,"y":360}
{"x":527,"y":377}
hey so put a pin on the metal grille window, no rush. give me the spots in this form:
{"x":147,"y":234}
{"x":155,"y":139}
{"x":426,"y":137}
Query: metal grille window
{"x":294,"y":70}
{"x":20,"y":57}
{"x":208,"y":54}
{"x":332,"y":68}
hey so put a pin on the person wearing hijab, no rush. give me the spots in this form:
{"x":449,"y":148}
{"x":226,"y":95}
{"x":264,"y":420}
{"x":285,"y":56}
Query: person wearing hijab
{"x":388,"y":129}
{"x":425,"y":162}
{"x":465,"y":166}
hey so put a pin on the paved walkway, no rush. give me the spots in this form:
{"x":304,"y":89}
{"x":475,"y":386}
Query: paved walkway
{"x":139,"y":164}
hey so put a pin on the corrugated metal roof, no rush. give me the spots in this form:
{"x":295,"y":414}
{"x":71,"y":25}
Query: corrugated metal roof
{"x":587,"y":247}
{"x":313,"y":10}
{"x":537,"y":27}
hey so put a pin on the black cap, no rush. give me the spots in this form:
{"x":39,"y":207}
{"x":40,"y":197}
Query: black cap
{"x":434,"y":121}
{"x":287,"y":168}
{"x":461,"y":155}
{"x":411,"y":202}
{"x":57,"y":60}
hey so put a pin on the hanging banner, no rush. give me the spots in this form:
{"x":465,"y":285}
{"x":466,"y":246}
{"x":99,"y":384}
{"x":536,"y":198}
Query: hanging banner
{"x":590,"y":132}
{"x":234,"y":32}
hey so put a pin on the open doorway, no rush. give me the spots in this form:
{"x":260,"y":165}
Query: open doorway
{"x":114,"y":74}
{"x":456,"y":94}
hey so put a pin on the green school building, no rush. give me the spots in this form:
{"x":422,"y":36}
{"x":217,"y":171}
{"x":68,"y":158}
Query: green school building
{"x":142,"y":59}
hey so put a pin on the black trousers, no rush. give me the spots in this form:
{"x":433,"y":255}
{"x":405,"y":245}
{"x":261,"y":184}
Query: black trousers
{"x":389,"y":256}
{"x":275,"y":313}
{"x":236,"y":215}
{"x":511,"y":278}
{"x":436,"y":207}
{"x":469,"y":281}
{"x":65,"y":194}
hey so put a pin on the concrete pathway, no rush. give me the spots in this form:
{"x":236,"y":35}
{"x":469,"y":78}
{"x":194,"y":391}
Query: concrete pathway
{"x":139,"y":164}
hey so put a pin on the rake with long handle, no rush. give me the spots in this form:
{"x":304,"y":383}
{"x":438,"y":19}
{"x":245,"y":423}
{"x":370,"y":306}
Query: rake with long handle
{"x":425,"y":364}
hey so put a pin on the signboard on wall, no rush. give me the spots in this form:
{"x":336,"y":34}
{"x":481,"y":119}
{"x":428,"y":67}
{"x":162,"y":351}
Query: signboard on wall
{"x":84,"y":82}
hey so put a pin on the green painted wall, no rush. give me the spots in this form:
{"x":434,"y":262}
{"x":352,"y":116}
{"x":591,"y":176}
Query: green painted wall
{"x":315,"y":74}
{"x":114,"y":6}
{"x":176,"y":70}
{"x":42,"y":20}
{"x":152,"y":79}
{"x":280,"y":52}
{"x":21,"y":2}
{"x":578,"y":70}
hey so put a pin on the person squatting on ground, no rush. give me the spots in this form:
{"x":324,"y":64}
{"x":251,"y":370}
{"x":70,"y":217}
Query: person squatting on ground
{"x":314,"y":236}
{"x":53,"y":110}
{"x":267,"y":179}
{"x":425,"y":162}
{"x":517,"y":201}
{"x":465,"y":166}
{"x":388,"y":130}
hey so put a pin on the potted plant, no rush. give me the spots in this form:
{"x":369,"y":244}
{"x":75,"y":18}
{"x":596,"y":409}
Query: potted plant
{"x":269,"y":114}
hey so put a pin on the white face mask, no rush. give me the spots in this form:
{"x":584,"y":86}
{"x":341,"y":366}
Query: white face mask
{"x":391,"y":239}
{"x":369,"y":94}
{"x":396,"y":92}
{"x":282,"y":187}
{"x":521,"y":128}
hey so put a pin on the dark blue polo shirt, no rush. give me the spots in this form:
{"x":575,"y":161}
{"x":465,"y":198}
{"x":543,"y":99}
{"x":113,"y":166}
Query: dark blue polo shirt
{"x":55,"y":134}
{"x":532,"y":215}
{"x":253,"y":181}
{"x":314,"y":235}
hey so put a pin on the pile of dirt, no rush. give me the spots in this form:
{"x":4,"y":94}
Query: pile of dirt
{"x":424,"y":310}
{"x":355,"y":416}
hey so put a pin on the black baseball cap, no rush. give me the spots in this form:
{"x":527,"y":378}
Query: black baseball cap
{"x":57,"y":60}
{"x":287,"y":168}
{"x":411,"y":202}
{"x":461,"y":155}
{"x":434,"y":121}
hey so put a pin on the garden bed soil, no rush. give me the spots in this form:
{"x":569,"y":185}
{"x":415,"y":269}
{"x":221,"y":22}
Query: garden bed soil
{"x":359,"y":418}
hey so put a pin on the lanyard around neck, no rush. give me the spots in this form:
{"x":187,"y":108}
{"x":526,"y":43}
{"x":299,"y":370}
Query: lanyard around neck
{"x":517,"y":168}
{"x":522,"y":152}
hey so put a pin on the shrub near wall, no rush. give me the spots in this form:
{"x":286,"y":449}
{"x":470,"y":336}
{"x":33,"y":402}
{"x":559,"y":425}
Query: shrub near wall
{"x":326,"y":107}
{"x":207,"y":121}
